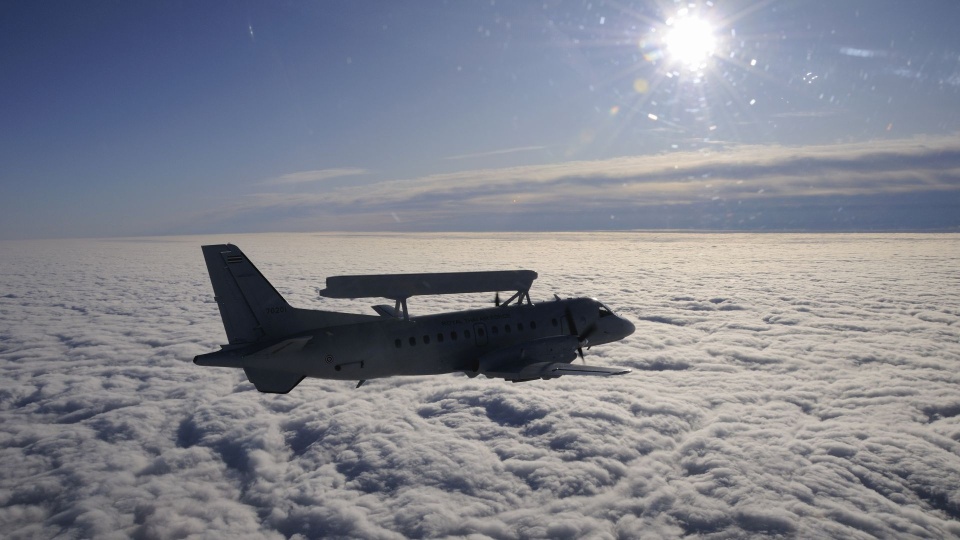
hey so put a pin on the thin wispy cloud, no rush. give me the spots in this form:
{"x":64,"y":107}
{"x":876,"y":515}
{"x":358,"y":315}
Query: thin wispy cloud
{"x":496,"y":152}
{"x":805,"y":114}
{"x":306,"y":177}
{"x":737,"y":174}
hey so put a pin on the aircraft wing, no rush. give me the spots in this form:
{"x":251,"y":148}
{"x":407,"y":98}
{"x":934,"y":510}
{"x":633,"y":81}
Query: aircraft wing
{"x":552,"y":370}
{"x":583,"y":369}
{"x":546,"y":358}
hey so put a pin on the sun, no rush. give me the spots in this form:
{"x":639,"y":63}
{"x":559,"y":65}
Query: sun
{"x":689,"y":41}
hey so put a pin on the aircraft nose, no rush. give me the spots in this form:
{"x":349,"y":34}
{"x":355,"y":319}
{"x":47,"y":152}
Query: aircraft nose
{"x":628,"y":327}
{"x":618,"y":328}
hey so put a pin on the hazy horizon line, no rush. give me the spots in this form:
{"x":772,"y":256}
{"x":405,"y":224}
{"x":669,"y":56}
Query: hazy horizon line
{"x":955,"y":230}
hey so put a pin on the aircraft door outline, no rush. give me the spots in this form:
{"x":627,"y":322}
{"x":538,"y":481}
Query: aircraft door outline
{"x":480,"y":334}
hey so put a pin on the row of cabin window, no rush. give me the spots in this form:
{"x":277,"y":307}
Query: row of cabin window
{"x":466,"y":333}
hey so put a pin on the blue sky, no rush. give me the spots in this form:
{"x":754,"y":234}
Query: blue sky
{"x":136,"y":118}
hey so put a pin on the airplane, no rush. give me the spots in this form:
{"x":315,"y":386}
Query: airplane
{"x":278,"y":345}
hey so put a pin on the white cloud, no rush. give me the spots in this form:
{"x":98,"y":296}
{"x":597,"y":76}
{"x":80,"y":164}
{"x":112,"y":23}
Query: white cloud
{"x":782,"y":384}
{"x":499,"y":152}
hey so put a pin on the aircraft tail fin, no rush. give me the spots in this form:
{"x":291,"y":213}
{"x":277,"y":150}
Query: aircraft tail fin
{"x":250,"y":307}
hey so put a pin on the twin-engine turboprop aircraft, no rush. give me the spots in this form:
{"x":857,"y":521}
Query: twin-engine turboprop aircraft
{"x":278,"y":345}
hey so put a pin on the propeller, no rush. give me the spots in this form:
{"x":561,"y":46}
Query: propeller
{"x":581,"y":337}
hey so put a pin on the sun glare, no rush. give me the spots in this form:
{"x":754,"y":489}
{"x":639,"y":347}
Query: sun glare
{"x":689,"y":41}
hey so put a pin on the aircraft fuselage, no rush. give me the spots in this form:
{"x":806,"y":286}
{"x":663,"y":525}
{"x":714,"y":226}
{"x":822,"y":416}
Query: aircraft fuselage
{"x":436,"y":344}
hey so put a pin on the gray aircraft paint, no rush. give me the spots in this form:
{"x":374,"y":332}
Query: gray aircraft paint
{"x":278,"y":345}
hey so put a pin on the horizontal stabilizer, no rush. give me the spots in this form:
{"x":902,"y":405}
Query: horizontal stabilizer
{"x":273,"y":382}
{"x":288,"y":346}
{"x":226,"y":357}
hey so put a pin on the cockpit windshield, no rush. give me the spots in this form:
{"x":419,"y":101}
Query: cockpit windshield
{"x":605,"y":311}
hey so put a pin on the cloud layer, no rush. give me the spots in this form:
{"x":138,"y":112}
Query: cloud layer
{"x":782,"y":384}
{"x":895,"y":185}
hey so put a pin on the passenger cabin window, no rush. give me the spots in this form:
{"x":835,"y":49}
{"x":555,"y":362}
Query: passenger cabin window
{"x":533,"y":325}
{"x":494,"y":330}
{"x":426,"y":340}
{"x":519,"y":327}
{"x":440,"y":337}
{"x":466,"y":334}
{"x":553,"y":321}
{"x":506,"y":328}
{"x":397,"y":342}
{"x":480,"y":332}
{"x":453,"y":335}
{"x":413,"y":341}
